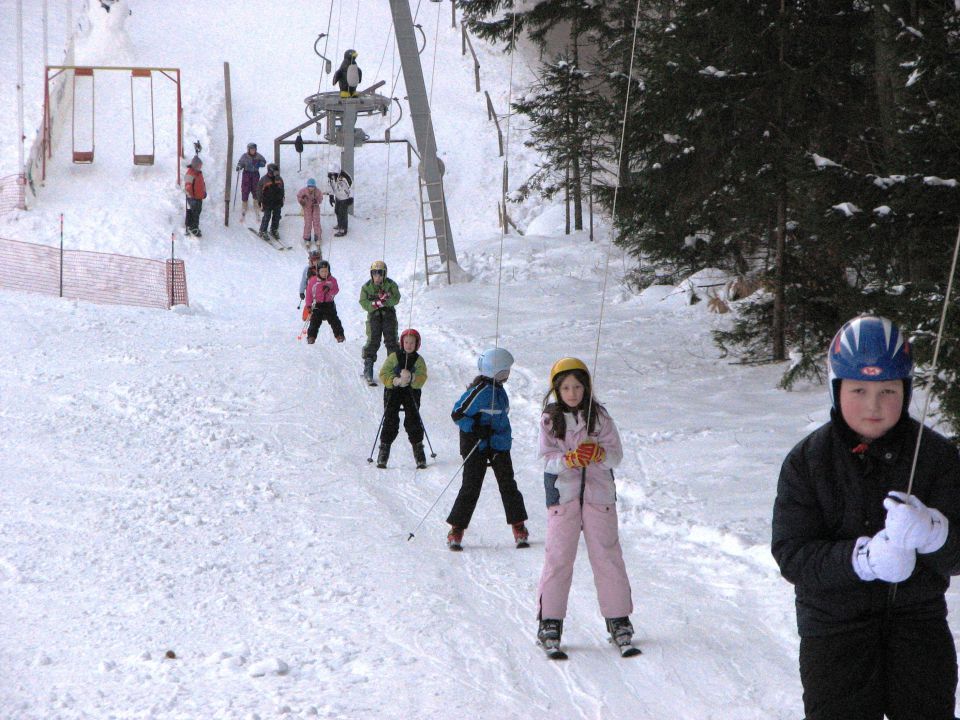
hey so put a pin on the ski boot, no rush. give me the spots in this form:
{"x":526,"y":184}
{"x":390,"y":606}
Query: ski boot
{"x":263,"y":235}
{"x":340,"y":338}
{"x":383,"y":455}
{"x":340,"y":233}
{"x":368,"y":371}
{"x":419,"y":456}
{"x":275,"y":234}
{"x":455,"y":538}
{"x":520,"y":535}
{"x":548,"y":637}
{"x":621,"y":635}
{"x":311,"y":340}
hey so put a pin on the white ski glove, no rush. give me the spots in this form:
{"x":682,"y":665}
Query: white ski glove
{"x":911,"y":524}
{"x":405,"y":377}
{"x":397,"y":382}
{"x":877,"y":558}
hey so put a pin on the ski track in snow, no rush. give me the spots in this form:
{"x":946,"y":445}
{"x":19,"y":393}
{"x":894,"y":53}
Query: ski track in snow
{"x":196,"y":481}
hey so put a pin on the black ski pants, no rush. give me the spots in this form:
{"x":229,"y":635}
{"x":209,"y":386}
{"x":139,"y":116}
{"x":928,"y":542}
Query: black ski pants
{"x":271,"y":217}
{"x":382,"y":322}
{"x":194,"y":207}
{"x":901,"y":668}
{"x":340,"y":209}
{"x":409,"y":399}
{"x":474,"y":470}
{"x":324,"y":311}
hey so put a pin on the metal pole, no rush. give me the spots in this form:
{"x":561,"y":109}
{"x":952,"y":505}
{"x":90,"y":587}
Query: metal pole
{"x":61,"y":254}
{"x":20,"y":135}
{"x":377,"y":437}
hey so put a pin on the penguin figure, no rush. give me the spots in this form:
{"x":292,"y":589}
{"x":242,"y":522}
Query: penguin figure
{"x":348,"y":75}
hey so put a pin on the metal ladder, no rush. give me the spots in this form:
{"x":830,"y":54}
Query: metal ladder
{"x":439,"y":228}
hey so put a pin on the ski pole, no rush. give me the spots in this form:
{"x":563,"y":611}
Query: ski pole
{"x":424,"y":428}
{"x":235,"y":187}
{"x":299,"y":303}
{"x":452,"y":478}
{"x":370,"y":459}
{"x":303,"y":330}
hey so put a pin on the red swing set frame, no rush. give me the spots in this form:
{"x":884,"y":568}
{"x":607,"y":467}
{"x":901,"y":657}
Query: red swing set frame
{"x":86,"y":156}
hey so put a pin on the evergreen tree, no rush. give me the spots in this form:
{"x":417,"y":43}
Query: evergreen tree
{"x":502,"y":21}
{"x":557,"y":106}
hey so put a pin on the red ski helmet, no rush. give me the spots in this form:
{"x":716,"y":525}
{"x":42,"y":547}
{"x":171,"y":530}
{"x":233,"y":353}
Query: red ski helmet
{"x":414,"y":333}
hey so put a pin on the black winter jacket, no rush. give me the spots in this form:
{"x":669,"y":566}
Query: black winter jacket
{"x":270,"y":191}
{"x":828,"y":496}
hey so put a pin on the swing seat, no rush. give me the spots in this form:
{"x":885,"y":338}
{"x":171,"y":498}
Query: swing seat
{"x":142,"y":159}
{"x":83,"y":158}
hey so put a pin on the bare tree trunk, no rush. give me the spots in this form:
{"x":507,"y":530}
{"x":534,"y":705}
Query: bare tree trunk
{"x":566,"y":198}
{"x":885,"y":67}
{"x":575,"y":154}
{"x":778,"y":327}
{"x":779,"y":299}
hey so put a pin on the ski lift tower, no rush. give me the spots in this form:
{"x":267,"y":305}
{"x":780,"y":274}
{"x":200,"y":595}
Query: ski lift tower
{"x":431,"y":169}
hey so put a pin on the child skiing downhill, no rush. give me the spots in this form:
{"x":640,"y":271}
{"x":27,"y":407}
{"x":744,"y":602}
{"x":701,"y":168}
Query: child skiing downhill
{"x":309,"y":198}
{"x":403,"y":374}
{"x":871,"y":613}
{"x":249,"y":163}
{"x":313,"y":258}
{"x":379,"y":297}
{"x":195,"y":189}
{"x":580,"y":446}
{"x":322,"y":288}
{"x":482,"y":414}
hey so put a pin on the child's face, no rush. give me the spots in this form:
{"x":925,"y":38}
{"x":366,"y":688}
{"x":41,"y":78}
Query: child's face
{"x":377,"y":276}
{"x":409,"y":343}
{"x":571,"y":391}
{"x":871,"y":408}
{"x":324,"y":273}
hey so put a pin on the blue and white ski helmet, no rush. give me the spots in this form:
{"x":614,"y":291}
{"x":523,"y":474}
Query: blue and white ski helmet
{"x":495,"y":363}
{"x":869,"y":348}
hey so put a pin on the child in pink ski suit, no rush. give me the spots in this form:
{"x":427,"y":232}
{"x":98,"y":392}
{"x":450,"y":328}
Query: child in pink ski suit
{"x":580,"y":445}
{"x":309,"y":199}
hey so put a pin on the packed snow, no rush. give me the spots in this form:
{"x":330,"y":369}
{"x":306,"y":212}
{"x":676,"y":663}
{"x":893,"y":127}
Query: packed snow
{"x":189,"y":527}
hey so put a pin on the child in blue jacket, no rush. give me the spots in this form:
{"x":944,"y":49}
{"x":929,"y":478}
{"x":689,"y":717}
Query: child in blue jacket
{"x":482,"y":414}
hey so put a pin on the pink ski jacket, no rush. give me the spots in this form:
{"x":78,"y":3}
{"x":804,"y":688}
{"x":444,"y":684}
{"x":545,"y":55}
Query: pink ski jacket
{"x":599,"y":488}
{"x":309,"y":197}
{"x":321,"y":290}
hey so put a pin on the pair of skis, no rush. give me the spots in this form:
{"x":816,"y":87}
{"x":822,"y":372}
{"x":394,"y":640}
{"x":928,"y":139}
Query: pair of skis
{"x":455,"y":546}
{"x":275,"y":243}
{"x":625,"y":647}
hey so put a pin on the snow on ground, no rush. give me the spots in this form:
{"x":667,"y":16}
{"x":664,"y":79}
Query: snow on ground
{"x":194,"y":483}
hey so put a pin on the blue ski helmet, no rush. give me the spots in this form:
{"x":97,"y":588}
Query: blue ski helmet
{"x":311,"y":182}
{"x":495,"y":363}
{"x":869,"y":348}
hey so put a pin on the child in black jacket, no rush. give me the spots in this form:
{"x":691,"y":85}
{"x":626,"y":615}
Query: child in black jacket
{"x":870,"y":584}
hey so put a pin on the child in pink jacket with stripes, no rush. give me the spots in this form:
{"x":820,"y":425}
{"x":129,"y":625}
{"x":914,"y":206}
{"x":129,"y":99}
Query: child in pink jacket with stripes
{"x":580,"y":446}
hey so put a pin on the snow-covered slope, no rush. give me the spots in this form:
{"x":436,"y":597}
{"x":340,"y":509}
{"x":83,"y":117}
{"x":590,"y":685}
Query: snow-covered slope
{"x":196,"y":481}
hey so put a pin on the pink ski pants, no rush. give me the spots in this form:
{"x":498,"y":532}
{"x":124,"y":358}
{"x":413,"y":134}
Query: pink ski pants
{"x":311,"y":218}
{"x":599,"y":524}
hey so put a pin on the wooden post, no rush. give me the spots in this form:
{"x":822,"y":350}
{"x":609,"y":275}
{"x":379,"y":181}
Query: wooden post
{"x":229,"y":170}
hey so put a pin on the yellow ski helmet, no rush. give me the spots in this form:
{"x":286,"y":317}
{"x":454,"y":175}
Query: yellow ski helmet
{"x":565,"y":365}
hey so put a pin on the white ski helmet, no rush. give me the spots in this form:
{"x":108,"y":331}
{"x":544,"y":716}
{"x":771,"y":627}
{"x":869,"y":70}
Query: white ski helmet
{"x":495,"y":363}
